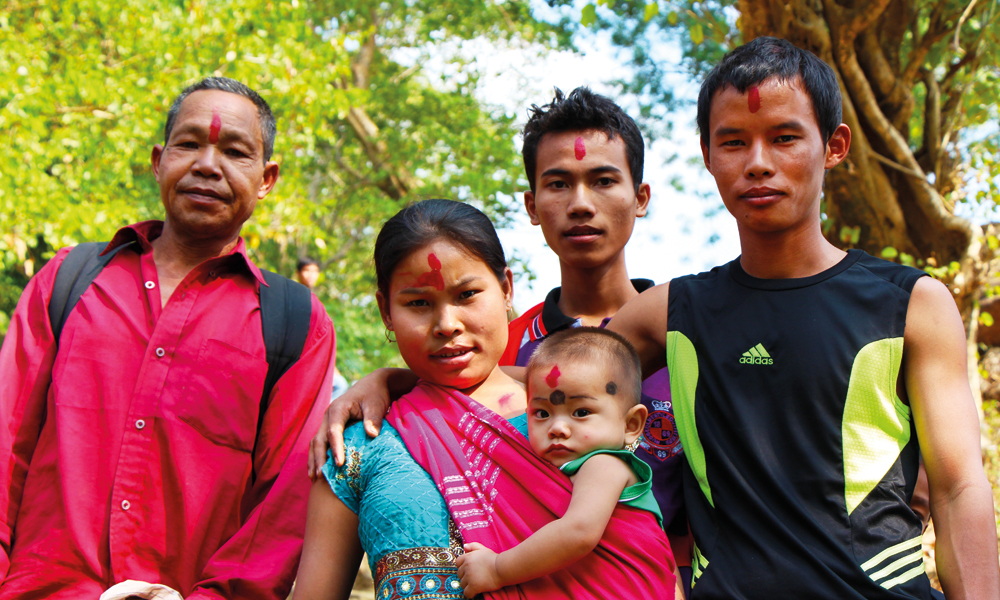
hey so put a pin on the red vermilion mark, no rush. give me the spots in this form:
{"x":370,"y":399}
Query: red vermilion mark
{"x":579,"y":148}
{"x":504,"y":401}
{"x":552,"y":379}
{"x":753,"y":100}
{"x":213,"y":131}
{"x":433,"y":277}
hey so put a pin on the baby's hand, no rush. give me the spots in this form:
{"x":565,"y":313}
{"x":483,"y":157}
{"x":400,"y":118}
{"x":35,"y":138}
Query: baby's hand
{"x":477,"y":570}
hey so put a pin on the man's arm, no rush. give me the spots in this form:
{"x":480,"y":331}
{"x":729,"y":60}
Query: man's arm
{"x":367,"y":400}
{"x":643,"y":321}
{"x":961,"y":501}
{"x":597,"y":487}
{"x":259,"y":561}
{"x":26,"y":360}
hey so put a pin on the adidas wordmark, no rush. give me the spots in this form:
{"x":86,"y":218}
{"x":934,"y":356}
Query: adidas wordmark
{"x":756,"y":356}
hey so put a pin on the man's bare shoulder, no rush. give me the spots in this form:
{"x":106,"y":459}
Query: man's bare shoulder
{"x":931,"y":313}
{"x":641,"y":312}
{"x":643,"y":321}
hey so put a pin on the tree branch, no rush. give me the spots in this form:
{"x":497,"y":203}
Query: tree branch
{"x":896,"y":100}
{"x":961,"y":21}
{"x":898,"y":167}
{"x":395,"y":185}
{"x":926,"y":197}
{"x":361,"y":65}
{"x":969,"y":58}
{"x":932,"y":122}
{"x":937,"y":29}
{"x":862,"y":17}
{"x":341,"y":252}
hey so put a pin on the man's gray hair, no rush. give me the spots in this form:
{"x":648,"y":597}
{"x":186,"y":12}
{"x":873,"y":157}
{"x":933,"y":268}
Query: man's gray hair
{"x":268,"y":128}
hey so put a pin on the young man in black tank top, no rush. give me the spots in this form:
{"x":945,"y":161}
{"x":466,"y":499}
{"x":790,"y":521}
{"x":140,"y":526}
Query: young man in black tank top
{"x":803,"y":375}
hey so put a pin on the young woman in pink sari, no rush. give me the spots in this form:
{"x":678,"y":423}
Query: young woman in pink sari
{"x":453,"y":465}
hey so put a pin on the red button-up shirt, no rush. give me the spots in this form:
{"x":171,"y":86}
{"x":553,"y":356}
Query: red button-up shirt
{"x":126,"y":453}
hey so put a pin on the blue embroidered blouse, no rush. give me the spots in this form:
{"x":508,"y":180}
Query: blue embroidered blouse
{"x":404,"y":527}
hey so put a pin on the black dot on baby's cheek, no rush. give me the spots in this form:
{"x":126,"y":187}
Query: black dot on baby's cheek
{"x":611,"y":388}
{"x":557,"y":397}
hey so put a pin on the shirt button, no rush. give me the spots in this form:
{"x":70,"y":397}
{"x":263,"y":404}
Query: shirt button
{"x":140,"y":424}
{"x":160,"y":352}
{"x":150,"y":285}
{"x":125,"y":505}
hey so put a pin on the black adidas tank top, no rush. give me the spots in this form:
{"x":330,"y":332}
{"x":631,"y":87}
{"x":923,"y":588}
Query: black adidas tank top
{"x":801,"y":459}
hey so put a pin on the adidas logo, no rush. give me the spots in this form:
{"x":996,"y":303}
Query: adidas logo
{"x":756,"y":356}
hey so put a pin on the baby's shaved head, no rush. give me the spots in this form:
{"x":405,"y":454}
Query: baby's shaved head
{"x":598,"y":347}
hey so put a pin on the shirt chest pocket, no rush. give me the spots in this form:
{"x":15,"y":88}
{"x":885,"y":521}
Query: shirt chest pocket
{"x":220,"y":395}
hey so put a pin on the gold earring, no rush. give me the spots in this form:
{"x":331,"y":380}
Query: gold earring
{"x":388,"y":336}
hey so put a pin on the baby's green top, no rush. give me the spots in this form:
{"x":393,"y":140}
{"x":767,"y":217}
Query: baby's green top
{"x":638,"y":495}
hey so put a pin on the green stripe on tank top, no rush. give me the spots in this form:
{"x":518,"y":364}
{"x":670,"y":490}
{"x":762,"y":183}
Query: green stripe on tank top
{"x":682,"y":363}
{"x":876,"y":424}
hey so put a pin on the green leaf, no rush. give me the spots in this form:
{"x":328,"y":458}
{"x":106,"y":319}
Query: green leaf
{"x":986,"y":319}
{"x":850,"y":235}
{"x":697,"y":34}
{"x":588,"y":16}
{"x":889,"y":253}
{"x":672,"y":17}
{"x":652,"y":9}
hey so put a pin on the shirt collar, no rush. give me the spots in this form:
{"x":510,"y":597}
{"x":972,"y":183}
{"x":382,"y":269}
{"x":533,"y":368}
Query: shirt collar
{"x":145,"y":232}
{"x":554,"y":319}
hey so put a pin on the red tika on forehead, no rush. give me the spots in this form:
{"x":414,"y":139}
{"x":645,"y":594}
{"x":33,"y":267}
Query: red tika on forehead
{"x":552,"y":379}
{"x":433,"y":277}
{"x":579,"y":148}
{"x":753,"y":100}
{"x":213,"y":131}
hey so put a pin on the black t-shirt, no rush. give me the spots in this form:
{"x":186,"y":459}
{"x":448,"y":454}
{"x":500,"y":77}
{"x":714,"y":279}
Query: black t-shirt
{"x":801,"y":458}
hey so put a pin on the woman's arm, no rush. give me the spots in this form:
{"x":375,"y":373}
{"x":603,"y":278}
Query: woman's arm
{"x":332,"y":550}
{"x":596,"y":489}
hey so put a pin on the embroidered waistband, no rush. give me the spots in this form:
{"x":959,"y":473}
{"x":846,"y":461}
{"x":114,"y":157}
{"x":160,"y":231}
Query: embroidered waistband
{"x":418,"y":574}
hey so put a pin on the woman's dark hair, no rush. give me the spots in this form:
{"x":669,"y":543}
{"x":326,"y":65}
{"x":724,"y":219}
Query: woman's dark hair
{"x":767,"y":57}
{"x":423,"y":222}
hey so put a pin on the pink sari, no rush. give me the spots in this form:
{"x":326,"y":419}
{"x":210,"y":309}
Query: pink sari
{"x":499,"y":492}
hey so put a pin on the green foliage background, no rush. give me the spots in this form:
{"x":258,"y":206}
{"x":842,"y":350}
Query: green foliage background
{"x":87,"y":84}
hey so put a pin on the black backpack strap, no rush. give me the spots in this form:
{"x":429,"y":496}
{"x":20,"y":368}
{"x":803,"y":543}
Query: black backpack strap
{"x":77,"y":271}
{"x":285,"y":313}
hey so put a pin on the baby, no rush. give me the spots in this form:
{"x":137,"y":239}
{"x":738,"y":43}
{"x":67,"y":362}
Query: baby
{"x":583,"y":411}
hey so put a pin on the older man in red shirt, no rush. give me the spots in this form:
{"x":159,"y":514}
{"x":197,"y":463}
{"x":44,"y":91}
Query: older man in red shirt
{"x":132,"y":445}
